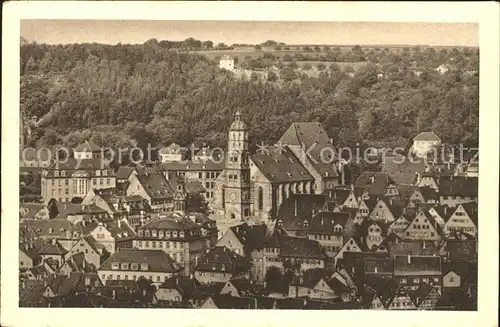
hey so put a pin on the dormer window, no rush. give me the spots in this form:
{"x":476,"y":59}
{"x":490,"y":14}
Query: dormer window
{"x":98,"y":173}
{"x":174,"y":234}
{"x":153,"y":233}
{"x":124,"y":266}
{"x":134,"y":266}
{"x":146,"y":232}
{"x":141,"y":232}
{"x":144,"y":266}
{"x":104,"y":173}
{"x":181,"y":234}
{"x":63,"y":173}
{"x":160,"y":234}
{"x":115,"y":266}
{"x":56,"y":173}
{"x":167,"y":234}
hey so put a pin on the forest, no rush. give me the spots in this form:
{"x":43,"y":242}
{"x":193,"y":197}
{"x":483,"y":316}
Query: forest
{"x":131,"y":95}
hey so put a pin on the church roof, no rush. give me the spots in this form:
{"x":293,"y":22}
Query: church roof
{"x":281,"y":166}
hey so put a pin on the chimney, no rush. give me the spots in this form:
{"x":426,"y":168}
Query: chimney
{"x":372,"y":179}
{"x":376,"y":269}
{"x":295,"y":207}
{"x":87,"y":281}
{"x":114,"y":294}
{"x":423,"y":245}
{"x":321,"y":221}
{"x":119,"y":223}
{"x":53,"y":241}
{"x":409,"y":258}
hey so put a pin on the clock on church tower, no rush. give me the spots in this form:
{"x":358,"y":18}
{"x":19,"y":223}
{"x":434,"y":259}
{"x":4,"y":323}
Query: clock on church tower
{"x":237,"y":172}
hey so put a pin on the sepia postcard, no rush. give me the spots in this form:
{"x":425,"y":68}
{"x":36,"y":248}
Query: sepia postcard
{"x":275,"y":163}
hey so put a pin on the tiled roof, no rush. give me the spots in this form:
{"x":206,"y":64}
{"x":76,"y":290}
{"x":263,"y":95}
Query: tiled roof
{"x":311,"y":277}
{"x":324,"y":222}
{"x":242,"y":284}
{"x":311,"y":137}
{"x":429,"y":193}
{"x":29,"y":210}
{"x":220,"y":259}
{"x":405,"y":191}
{"x":88,"y":167}
{"x":426,"y":136}
{"x":379,"y":265}
{"x":77,"y":282}
{"x":462,"y":250}
{"x":471,"y":209}
{"x":402,"y":170}
{"x":87,"y":146}
{"x":419,"y":295}
{"x":458,"y":186}
{"x":402,"y":248}
{"x":252,"y":237}
{"x":304,"y":135}
{"x":300,"y":247}
{"x":54,"y":281}
{"x":41,"y":247}
{"x":53,"y":227}
{"x":298,"y":208}
{"x":379,"y":184}
{"x":29,"y":251}
{"x":281,"y":166}
{"x":172,"y":222}
{"x":124,"y":172}
{"x":208,"y":165}
{"x":419,"y":265}
{"x":157,"y":260}
{"x":77,"y":263}
{"x":155,"y":185}
{"x":338,"y":195}
{"x":186,"y":286}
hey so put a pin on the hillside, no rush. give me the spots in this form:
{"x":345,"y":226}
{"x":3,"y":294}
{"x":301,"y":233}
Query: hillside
{"x":140,"y":94}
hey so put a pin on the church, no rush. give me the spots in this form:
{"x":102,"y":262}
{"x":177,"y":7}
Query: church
{"x":252,"y":187}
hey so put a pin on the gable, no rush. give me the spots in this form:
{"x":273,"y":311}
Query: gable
{"x":460,"y":217}
{"x":351,"y":201}
{"x":229,"y":289}
{"x":349,"y":246}
{"x":417,"y":196}
{"x":323,"y":286}
{"x":451,"y":279}
{"x":381,"y":211}
{"x":422,"y":226}
{"x":230,"y":241}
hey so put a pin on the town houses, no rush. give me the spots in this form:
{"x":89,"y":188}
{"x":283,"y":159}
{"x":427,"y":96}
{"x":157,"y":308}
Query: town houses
{"x":278,"y":228}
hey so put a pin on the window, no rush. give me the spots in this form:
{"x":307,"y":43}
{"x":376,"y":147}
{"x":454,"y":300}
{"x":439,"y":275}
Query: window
{"x":200,"y":175}
{"x":158,"y":278}
{"x":416,"y":280}
{"x":118,"y":277}
{"x":436,"y":280}
{"x":124,"y":266}
{"x":134,"y":266}
{"x":134,"y":277}
{"x":126,"y":277}
{"x":100,"y":181}
{"x":144,"y":266}
{"x":94,"y":181}
{"x":108,"y":181}
{"x":104,"y":173}
{"x":66,"y":182}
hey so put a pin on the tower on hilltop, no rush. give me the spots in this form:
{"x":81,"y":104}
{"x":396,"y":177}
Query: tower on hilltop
{"x":236,"y":192}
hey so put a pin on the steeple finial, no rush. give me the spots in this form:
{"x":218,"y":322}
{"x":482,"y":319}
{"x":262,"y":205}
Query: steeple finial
{"x":238,"y":115}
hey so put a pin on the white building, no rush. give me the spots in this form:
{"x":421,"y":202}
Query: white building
{"x":226,"y":63}
{"x":424,"y":142}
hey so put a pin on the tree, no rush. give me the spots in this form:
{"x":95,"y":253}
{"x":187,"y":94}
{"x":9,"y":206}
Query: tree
{"x":272,"y":77}
{"x":307,"y":66}
{"x":317,"y":48}
{"x":321,"y":66}
{"x":221,"y":45}
{"x":196,"y":203}
{"x":208,"y":44}
{"x":257,"y":47}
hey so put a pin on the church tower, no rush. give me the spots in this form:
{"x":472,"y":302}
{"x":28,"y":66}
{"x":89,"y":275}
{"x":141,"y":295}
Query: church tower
{"x":236,"y":191}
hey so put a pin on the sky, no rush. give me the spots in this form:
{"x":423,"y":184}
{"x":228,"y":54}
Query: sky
{"x":248,"y":32}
